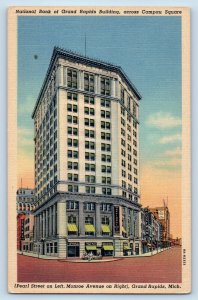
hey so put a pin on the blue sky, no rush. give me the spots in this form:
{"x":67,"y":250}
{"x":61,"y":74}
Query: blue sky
{"x":147,"y":48}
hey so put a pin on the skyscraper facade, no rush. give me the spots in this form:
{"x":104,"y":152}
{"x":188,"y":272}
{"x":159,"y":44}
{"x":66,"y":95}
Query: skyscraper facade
{"x":86,"y":133}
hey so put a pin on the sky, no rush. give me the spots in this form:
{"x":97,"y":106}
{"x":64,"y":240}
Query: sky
{"x":149,"y":51}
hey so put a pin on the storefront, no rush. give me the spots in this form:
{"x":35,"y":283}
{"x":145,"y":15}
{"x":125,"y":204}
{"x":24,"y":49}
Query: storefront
{"x":91,"y":248}
{"x":137,"y":249}
{"x":107,"y":249}
{"x":73,"y":249}
{"x":126,"y":249}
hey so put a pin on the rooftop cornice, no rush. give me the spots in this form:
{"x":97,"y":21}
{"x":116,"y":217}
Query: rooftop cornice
{"x":74,"y":56}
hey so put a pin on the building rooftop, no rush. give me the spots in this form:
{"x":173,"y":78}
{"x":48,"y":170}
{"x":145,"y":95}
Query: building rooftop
{"x":74,"y":56}
{"x":25,"y":191}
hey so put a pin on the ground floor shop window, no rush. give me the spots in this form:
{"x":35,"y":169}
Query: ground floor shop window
{"x":73,"y":250}
{"x":51,"y":248}
{"x":107,"y":249}
{"x":91,"y":248}
{"x":137,"y":250}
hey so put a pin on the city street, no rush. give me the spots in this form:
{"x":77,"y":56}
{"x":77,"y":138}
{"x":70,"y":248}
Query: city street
{"x":161,"y":268}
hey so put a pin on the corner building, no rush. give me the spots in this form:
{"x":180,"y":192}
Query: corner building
{"x":86,"y":159}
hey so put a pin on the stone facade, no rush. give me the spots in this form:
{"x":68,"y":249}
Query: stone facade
{"x":86,"y":160}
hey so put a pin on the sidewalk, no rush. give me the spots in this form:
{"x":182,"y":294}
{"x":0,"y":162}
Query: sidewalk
{"x":36,"y":255}
{"x":79,"y":260}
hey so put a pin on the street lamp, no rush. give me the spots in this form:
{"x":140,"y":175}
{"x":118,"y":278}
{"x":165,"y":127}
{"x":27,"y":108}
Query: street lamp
{"x":43,"y":244}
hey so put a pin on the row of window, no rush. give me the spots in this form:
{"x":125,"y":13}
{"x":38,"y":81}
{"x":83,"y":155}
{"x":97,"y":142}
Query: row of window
{"x":89,"y":82}
{"x":89,"y":100}
{"x":74,"y":189}
{"x":88,"y":145}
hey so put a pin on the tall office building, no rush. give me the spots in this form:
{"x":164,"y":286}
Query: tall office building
{"x":86,"y":159}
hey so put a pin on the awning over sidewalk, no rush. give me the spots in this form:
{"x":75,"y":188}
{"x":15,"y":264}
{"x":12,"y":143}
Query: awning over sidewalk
{"x":91,"y":247}
{"x":108,"y":247}
{"x":126,"y":248}
{"x":72,"y":227}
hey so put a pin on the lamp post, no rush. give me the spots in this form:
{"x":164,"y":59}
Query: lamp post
{"x":43,"y":244}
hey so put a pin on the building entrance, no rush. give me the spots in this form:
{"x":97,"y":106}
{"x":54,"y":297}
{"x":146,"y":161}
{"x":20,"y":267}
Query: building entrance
{"x":73,"y":250}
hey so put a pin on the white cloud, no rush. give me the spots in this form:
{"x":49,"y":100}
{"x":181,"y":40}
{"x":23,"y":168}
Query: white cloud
{"x":163,"y":120}
{"x":173,"y":152}
{"x":167,"y":139}
{"x":26,"y":107}
{"x":25,"y":137}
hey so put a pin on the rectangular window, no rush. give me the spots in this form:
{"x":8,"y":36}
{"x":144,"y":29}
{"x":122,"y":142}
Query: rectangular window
{"x":105,"y":103}
{"x":105,"y":136}
{"x":89,"y":111}
{"x":105,"y":207}
{"x":89,"y":145}
{"x":90,"y":189}
{"x":71,"y":153}
{"x":72,"y":107}
{"x":89,"y":100}
{"x":90,"y":167}
{"x":89,"y":82}
{"x":72,"y":188}
{"x":106,"y":158}
{"x":105,"y":125}
{"x":105,"y":169}
{"x":105,"y":114}
{"x":89,"y":156}
{"x":72,"y":119}
{"x":89,"y":133}
{"x":106,"y":180}
{"x":122,"y":131}
{"x":106,"y":191}
{"x":72,"y":78}
{"x":72,"y":205}
{"x":72,"y":143}
{"x":122,"y":121}
{"x":122,"y":94}
{"x":105,"y":86}
{"x":72,"y":130}
{"x":105,"y":147}
{"x":72,"y":165}
{"x":90,"y":178}
{"x":89,"y":122}
{"x":72,"y":96}
{"x":129,"y":103}
{"x":134,"y":109}
{"x":72,"y":177}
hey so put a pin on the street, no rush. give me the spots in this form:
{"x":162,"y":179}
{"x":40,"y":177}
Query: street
{"x":161,"y":268}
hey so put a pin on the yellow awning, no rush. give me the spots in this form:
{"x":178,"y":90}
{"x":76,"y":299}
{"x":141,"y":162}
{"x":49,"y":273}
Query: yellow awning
{"x":108,"y":247}
{"x":89,"y":228}
{"x":72,"y":227}
{"x":123,"y":230}
{"x":126,"y":248}
{"x":105,"y":228}
{"x":91,"y":247}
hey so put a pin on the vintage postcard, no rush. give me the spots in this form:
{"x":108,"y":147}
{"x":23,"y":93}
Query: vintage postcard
{"x":99,"y":150}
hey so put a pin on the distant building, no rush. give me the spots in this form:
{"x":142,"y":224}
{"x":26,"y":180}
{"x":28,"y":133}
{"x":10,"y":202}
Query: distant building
{"x":151,"y":231}
{"x":163,"y":215}
{"x":25,"y":200}
{"x":27,"y":242}
{"x":25,"y":206}
{"x":20,"y":230}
